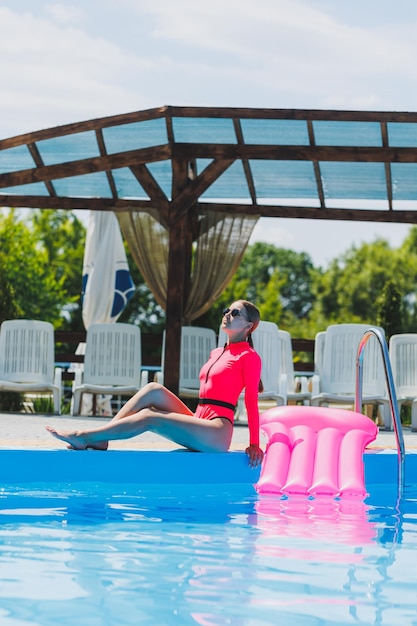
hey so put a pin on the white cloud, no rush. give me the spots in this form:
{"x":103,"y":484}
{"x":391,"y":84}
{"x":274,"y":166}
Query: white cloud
{"x":268,"y":31}
{"x":64,"y":62}
{"x":64,"y":13}
{"x":54,"y":74}
{"x":289,"y":50}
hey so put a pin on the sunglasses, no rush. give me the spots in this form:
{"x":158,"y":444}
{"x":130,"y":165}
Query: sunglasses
{"x":233,"y":312}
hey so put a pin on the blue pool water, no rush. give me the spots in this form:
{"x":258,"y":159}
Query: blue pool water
{"x":187,"y":540}
{"x":99,"y":553}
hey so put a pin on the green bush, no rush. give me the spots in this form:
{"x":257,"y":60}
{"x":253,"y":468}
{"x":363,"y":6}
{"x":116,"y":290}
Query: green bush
{"x":11,"y":401}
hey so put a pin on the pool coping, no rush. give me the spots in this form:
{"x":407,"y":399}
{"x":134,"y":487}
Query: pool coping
{"x":164,"y":466}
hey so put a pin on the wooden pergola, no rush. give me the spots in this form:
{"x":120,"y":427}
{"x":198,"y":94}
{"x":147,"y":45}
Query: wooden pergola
{"x":182,"y":161}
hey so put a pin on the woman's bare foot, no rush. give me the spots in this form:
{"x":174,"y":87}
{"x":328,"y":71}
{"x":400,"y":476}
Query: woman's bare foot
{"x":75,"y":442}
{"x":98,"y":445}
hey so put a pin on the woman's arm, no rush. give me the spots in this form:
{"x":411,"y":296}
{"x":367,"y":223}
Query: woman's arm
{"x":252,"y":375}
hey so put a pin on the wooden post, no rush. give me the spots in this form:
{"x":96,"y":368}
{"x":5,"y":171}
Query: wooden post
{"x":179,"y":268}
{"x":175,"y":304}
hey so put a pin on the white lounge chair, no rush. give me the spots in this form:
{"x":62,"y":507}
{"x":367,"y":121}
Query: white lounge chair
{"x":319,"y":343}
{"x":196,"y":344}
{"x":337,"y":383}
{"x":27,"y":361}
{"x":403,"y":357}
{"x":287,"y":374}
{"x":112,"y":363}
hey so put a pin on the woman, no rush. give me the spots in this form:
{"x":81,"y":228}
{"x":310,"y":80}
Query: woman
{"x":154,"y":408}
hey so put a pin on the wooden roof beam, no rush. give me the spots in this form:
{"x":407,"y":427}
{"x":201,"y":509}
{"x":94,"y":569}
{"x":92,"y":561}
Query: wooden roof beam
{"x":82,"y":127}
{"x":287,"y":211}
{"x":103,"y":152}
{"x":215,"y":112}
{"x":85,"y":166}
{"x":245,"y":163}
{"x":150,"y":185}
{"x":33,"y":149}
{"x":71,"y":204}
{"x":300,"y":212}
{"x":384,"y":134}
{"x":361,"y":154}
{"x":293,"y":114}
{"x":196,"y":187}
{"x":316,"y":165}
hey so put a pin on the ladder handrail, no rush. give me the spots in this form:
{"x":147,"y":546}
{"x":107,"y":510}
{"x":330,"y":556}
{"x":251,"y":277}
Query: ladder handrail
{"x":391,"y":393}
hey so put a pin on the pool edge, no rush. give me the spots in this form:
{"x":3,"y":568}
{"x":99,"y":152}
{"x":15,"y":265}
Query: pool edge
{"x":164,"y":466}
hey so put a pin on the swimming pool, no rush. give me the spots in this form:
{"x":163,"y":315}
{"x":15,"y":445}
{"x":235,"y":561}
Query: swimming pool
{"x":101,"y":538}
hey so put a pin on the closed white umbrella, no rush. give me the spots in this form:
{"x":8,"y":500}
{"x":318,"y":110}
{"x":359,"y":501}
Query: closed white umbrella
{"x":107,"y":284}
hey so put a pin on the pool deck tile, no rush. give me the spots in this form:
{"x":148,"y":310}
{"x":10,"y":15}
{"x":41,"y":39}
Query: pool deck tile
{"x":25,"y":430}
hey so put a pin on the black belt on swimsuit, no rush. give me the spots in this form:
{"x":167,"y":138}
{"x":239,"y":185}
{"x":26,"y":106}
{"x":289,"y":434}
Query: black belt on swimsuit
{"x":227,"y":405}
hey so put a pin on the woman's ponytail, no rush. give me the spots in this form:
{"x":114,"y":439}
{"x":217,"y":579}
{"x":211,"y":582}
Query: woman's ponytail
{"x":250,"y":342}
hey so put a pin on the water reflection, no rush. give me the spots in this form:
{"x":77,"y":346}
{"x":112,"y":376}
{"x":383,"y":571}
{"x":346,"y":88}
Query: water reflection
{"x":212,"y":555}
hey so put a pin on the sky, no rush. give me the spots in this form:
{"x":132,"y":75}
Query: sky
{"x":64,"y":62}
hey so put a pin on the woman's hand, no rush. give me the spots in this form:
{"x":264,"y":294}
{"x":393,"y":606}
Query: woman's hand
{"x":255,"y":455}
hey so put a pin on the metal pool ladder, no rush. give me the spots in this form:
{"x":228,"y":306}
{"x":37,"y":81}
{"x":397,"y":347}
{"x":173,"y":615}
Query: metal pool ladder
{"x":391,"y":392}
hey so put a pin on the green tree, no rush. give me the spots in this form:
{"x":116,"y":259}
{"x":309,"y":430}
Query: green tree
{"x":271,"y":308}
{"x":371,"y":283}
{"x":348,"y":290}
{"x":43,"y":254}
{"x":278,"y":281}
{"x":295,"y":272}
{"x":407,"y":254}
{"x":390,"y":310}
{"x":9,"y":308}
{"x":237,"y":289}
{"x":40,"y":261}
{"x":62,"y":235}
{"x":361,"y":281}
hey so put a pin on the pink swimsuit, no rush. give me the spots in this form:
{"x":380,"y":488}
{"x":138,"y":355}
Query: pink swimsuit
{"x":228,"y":371}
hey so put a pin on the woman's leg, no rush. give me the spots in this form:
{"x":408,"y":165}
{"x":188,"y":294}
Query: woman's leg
{"x":153,"y":395}
{"x":193,"y":433}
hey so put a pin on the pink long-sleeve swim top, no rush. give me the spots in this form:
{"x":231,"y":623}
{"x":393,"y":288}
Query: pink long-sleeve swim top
{"x":228,"y":371}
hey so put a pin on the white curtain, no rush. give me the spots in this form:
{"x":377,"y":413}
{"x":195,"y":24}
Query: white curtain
{"x":218,"y":250}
